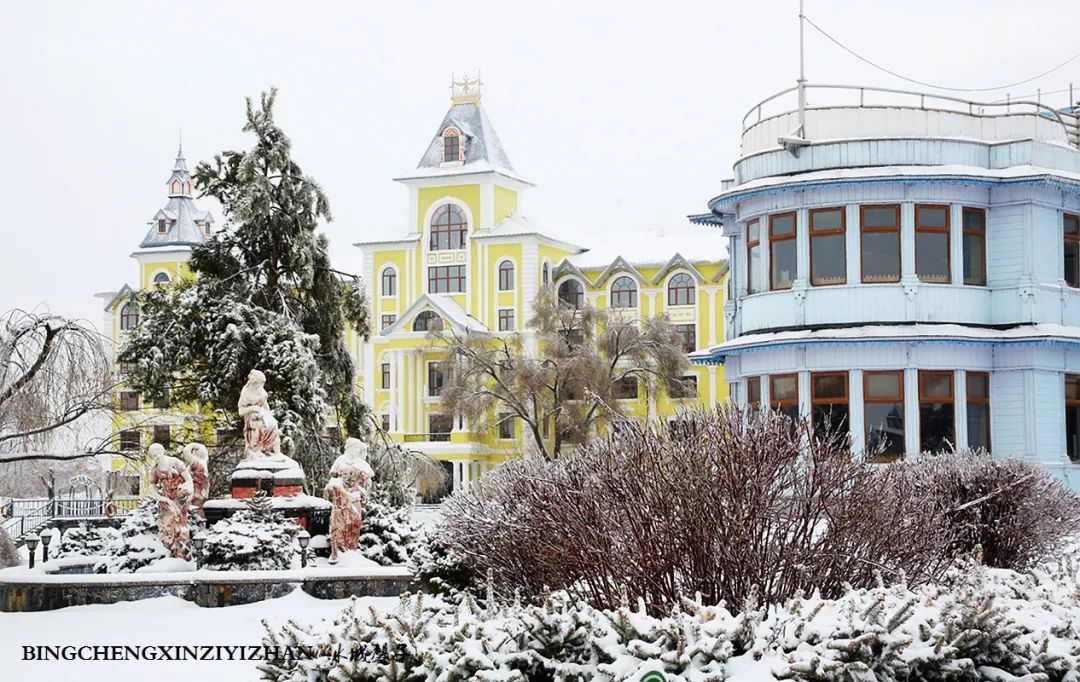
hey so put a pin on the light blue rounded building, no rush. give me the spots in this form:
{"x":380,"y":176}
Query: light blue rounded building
{"x":908,"y":265}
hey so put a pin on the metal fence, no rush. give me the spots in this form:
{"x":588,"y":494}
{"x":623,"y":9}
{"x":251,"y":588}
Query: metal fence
{"x":20,"y":517}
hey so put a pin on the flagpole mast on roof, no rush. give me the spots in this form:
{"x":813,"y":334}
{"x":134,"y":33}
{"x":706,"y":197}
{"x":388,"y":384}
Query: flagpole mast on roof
{"x":802,"y":75}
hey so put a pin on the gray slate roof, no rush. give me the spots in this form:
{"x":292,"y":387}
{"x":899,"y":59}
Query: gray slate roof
{"x":182,"y":214}
{"x":481,"y":142}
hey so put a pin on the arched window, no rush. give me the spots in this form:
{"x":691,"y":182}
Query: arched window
{"x":389,"y":282}
{"x":680,"y":290}
{"x":624,"y":293}
{"x":129,"y":316}
{"x":448,"y":228}
{"x":426,"y":321}
{"x":506,"y":276}
{"x":451,"y":145}
{"x":545,"y":276}
{"x":162,"y":278}
{"x":176,"y":187}
{"x":572,"y":293}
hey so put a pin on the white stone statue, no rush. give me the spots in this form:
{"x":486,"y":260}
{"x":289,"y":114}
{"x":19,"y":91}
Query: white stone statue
{"x":171,"y":486}
{"x":198,"y":462}
{"x":350,"y":476}
{"x":261,"y":436}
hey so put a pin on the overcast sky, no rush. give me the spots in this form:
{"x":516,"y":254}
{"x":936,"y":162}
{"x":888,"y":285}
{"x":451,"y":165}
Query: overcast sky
{"x":627,"y":117}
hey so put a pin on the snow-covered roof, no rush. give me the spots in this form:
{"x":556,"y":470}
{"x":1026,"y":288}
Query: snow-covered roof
{"x":483,"y":151}
{"x":516,"y":225}
{"x":445,"y":306}
{"x":181,"y":212}
{"x":885,"y":333}
{"x":946,"y":172}
{"x":653,"y":247}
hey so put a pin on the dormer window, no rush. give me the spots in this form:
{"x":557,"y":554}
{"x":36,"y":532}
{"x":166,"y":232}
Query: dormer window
{"x":162,"y":226}
{"x":451,"y":145}
{"x":205,"y":228}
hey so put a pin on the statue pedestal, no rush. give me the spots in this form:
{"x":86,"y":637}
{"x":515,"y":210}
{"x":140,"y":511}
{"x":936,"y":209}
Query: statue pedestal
{"x":283,"y":480}
{"x":278,"y":477}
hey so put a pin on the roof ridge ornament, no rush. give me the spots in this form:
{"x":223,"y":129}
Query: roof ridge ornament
{"x":465,"y":90}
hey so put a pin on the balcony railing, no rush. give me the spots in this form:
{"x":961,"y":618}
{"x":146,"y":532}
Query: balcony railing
{"x":427,"y":437}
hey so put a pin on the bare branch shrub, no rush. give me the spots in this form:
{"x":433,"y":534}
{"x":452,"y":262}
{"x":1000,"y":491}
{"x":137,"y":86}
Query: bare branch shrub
{"x":1013,"y":510}
{"x":717,"y":503}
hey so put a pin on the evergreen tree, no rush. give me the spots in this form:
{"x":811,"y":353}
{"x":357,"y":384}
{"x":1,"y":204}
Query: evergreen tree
{"x":265,"y":296}
{"x":256,"y":538}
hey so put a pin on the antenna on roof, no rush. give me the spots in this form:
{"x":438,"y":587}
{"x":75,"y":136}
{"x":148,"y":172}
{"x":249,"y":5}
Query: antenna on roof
{"x":802,"y":73}
{"x":180,"y":149}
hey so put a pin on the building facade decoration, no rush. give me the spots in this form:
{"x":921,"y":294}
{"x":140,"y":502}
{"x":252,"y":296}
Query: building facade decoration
{"x":912,"y":273}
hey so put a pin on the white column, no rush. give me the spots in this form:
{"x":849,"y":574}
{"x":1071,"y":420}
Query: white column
{"x":856,"y":411}
{"x":960,"y":408}
{"x":802,"y":248}
{"x":457,"y":475}
{"x":713,"y":388}
{"x":804,"y":391}
{"x":956,"y":243}
{"x":911,"y":411}
{"x":907,"y":242}
{"x":852,"y":244}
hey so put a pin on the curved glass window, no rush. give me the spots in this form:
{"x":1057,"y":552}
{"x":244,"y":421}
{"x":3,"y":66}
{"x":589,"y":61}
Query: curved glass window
{"x":974,"y":243}
{"x":129,"y":316}
{"x":624,"y":293}
{"x":448,"y":228}
{"x":681,"y":290}
{"x":426,"y":321}
{"x":782,"y":248}
{"x":162,"y":278}
{"x":828,"y":251}
{"x":753,"y":257}
{"x":389,"y":282}
{"x":506,"y":276}
{"x":932,"y":244}
{"x":880,"y":228}
{"x":572,"y":293}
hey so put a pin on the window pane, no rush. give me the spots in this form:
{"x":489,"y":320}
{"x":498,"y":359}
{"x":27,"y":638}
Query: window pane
{"x":753,"y":232}
{"x":880,"y":216}
{"x":935,"y":385}
{"x":974,"y":259}
{"x":931,"y":216}
{"x":885,"y":428}
{"x":827,"y":260}
{"x":974,"y":220}
{"x":884,"y":384}
{"x":782,"y":224}
{"x":978,"y":426}
{"x":1072,"y":388}
{"x":1072,"y":432}
{"x":881,"y":256}
{"x":1072,"y":225}
{"x":827,"y":386}
{"x":1072,"y":263}
{"x":932,"y":256}
{"x":785,"y":387}
{"x":936,"y":427}
{"x":783,"y":264}
{"x":753,"y":283}
{"x":753,"y":390}
{"x":978,"y":385}
{"x":831,"y":219}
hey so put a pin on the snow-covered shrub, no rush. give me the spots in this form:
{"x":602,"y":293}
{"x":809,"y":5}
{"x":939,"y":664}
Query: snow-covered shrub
{"x":136,"y":544}
{"x":989,"y":625}
{"x":1014,"y":511}
{"x":256,"y":538}
{"x":715,"y":503}
{"x":9,"y":556}
{"x":388,"y":535}
{"x":85,"y":540}
{"x":440,"y":569}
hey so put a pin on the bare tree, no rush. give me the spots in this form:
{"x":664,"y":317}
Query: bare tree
{"x":564,"y":372}
{"x":56,"y":389}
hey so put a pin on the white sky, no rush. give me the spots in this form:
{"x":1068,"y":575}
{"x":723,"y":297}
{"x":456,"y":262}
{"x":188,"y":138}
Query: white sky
{"x":627,"y":117}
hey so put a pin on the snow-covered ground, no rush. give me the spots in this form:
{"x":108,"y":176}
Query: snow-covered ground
{"x":161,"y":621}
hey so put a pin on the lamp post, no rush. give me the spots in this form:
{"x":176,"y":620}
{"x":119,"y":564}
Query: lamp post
{"x":31,"y":544}
{"x":198,"y":542}
{"x":303,"y":538}
{"x":46,"y":538}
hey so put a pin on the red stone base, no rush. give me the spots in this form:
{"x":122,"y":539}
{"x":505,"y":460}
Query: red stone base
{"x":243,"y":492}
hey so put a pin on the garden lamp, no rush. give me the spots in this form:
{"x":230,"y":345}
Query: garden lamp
{"x":198,"y":542}
{"x":46,"y":538}
{"x":31,"y":544}
{"x":304,"y":538}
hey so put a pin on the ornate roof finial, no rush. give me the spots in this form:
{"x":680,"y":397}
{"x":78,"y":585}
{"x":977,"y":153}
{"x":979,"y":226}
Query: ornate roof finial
{"x":465,"y":90}
{"x":181,"y":164}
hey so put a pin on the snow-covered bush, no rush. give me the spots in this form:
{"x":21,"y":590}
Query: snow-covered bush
{"x":256,"y":538}
{"x":715,"y":503}
{"x":388,"y":535}
{"x":440,"y":569}
{"x":989,"y":624}
{"x":85,"y":540}
{"x":9,"y":556}
{"x":1013,"y":510}
{"x":136,"y":544}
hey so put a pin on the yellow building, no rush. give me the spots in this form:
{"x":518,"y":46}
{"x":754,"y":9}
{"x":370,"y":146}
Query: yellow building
{"x":162,"y":257}
{"x":470,"y":258}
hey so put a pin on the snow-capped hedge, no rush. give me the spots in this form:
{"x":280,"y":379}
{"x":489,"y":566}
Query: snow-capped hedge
{"x":136,"y":545}
{"x":256,"y":538}
{"x":988,"y":624}
{"x":85,"y":541}
{"x":388,"y":534}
